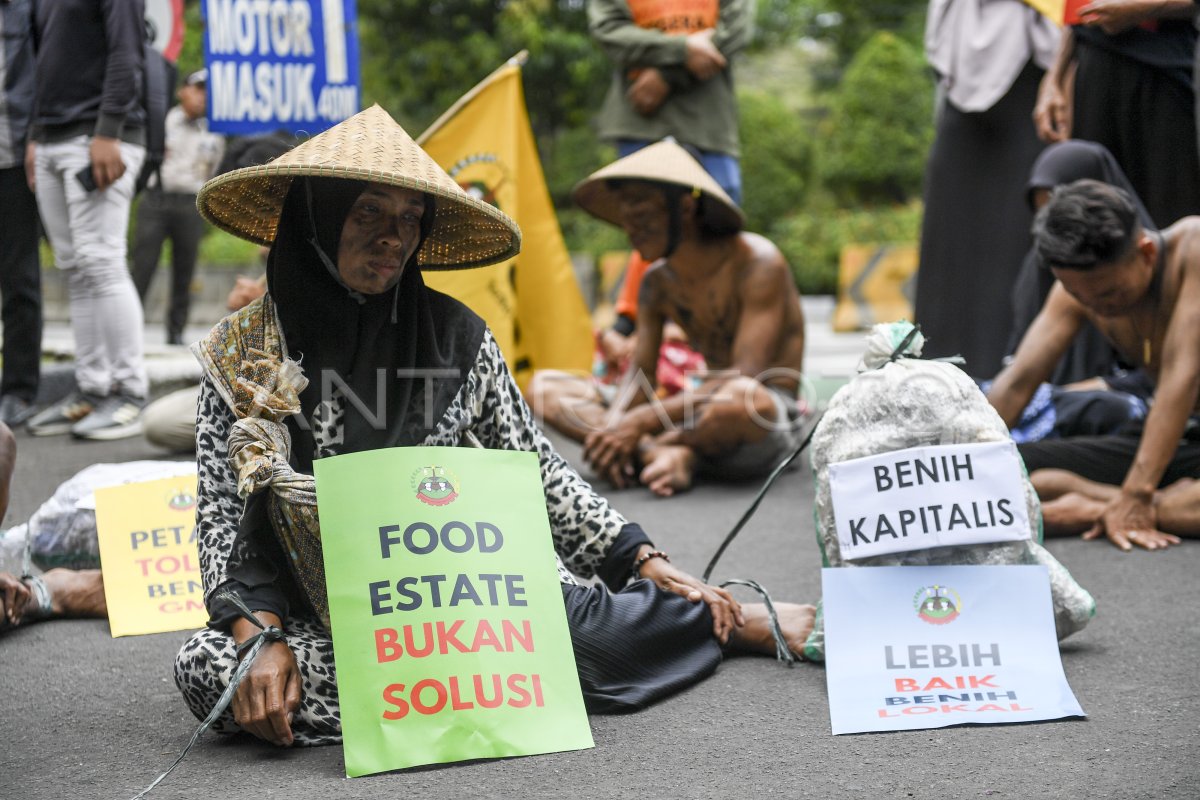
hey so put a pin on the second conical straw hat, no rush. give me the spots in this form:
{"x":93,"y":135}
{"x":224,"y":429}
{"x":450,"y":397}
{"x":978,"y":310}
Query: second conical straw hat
{"x":661,"y":162}
{"x":369,"y":146}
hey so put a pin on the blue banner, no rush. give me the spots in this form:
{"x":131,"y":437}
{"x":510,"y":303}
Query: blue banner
{"x":925,"y":647}
{"x":280,"y":64}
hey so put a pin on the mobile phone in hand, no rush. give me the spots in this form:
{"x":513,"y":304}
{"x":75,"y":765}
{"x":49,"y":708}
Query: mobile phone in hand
{"x":86,"y":179}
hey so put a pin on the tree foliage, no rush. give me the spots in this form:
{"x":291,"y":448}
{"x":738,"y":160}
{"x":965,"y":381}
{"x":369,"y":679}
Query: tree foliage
{"x":419,"y":57}
{"x":781,"y":22}
{"x":880,"y":125}
{"x":859,"y":20}
{"x":191,"y":56}
{"x":776,"y":159}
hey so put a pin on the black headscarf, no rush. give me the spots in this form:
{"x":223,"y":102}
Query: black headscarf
{"x":1073,"y":160}
{"x":372,"y":344}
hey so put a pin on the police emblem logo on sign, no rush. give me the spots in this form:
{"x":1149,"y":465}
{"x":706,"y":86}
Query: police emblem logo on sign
{"x":182,"y":500}
{"x":435,"y":486}
{"x":937,"y":605}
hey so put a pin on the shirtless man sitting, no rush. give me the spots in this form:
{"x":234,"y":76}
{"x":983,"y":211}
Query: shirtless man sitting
{"x":1141,"y":289}
{"x":732,"y":294}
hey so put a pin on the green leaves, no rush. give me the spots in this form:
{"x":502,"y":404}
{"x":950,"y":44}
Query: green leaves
{"x":880,"y":125}
{"x":419,"y":57}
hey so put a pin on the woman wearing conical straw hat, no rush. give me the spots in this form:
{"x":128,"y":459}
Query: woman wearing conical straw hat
{"x":353,"y":217}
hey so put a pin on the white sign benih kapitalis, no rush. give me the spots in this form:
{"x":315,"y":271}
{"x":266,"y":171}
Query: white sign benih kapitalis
{"x":925,"y":497}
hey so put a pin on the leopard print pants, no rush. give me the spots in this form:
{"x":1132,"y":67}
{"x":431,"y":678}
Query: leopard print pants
{"x":206,"y":662}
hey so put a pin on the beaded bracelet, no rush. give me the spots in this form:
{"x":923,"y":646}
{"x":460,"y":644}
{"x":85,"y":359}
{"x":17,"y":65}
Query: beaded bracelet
{"x":637,"y":565}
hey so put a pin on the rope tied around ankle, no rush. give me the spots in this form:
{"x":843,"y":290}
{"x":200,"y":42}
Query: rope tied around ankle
{"x":782,"y":651}
{"x":247,"y":651}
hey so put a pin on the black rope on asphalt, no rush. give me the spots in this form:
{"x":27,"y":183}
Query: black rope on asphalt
{"x":251,"y":648}
{"x":782,"y":651}
{"x":741,"y":523}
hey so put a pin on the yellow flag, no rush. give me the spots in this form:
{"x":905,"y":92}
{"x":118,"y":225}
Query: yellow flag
{"x":532,"y":303}
{"x":1062,"y":12}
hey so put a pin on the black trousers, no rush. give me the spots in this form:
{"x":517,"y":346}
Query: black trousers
{"x":638,"y":645}
{"x":976,"y":226}
{"x":1106,"y":459}
{"x":162,"y":216}
{"x":20,"y":285}
{"x":1147,"y":121}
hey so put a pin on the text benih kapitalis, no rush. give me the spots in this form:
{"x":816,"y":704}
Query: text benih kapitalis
{"x":925,"y":497}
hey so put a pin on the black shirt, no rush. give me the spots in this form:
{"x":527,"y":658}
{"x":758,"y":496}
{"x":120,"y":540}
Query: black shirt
{"x":89,"y":69}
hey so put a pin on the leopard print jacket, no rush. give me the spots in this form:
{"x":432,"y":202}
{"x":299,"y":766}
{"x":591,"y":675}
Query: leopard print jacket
{"x":489,"y":405}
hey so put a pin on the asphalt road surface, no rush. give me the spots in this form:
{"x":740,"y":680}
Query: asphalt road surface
{"x":89,"y":716}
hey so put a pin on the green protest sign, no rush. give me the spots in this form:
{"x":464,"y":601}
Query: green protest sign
{"x":449,"y":632}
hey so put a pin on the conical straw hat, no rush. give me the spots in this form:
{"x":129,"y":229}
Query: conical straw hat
{"x":662,"y":162}
{"x":369,"y":146}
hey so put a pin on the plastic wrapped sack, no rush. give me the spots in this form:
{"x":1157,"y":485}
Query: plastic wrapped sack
{"x":898,"y":402}
{"x":62,"y":532}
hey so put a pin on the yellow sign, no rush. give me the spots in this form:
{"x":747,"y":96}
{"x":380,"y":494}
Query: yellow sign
{"x":532,"y":303}
{"x":1062,"y":12}
{"x":875,"y":284}
{"x":1052,"y":9}
{"x":148,"y":556}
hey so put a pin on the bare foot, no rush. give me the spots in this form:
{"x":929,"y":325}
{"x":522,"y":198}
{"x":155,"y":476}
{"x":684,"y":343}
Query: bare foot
{"x":76,"y":593}
{"x":1071,"y":513}
{"x":668,"y":469}
{"x":795,"y":620}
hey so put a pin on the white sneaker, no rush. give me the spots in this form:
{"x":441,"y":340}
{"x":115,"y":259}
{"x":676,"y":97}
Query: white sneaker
{"x":116,"y":417}
{"x":63,"y":415}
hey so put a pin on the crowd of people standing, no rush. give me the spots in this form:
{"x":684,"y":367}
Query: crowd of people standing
{"x":82,"y":137}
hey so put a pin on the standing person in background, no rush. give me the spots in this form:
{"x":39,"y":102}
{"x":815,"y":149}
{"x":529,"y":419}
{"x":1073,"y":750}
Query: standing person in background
{"x":1131,"y":62}
{"x":90,"y":134}
{"x":673,"y":77}
{"x":20,"y":273}
{"x":168,"y":209}
{"x":989,"y":56}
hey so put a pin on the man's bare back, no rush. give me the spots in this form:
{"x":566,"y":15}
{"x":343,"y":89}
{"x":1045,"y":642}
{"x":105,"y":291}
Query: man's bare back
{"x":708,"y":305}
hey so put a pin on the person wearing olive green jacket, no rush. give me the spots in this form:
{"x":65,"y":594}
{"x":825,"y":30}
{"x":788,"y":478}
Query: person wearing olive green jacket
{"x":673,"y":77}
